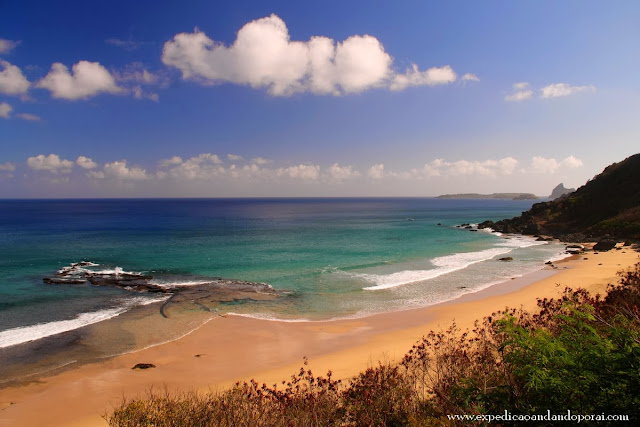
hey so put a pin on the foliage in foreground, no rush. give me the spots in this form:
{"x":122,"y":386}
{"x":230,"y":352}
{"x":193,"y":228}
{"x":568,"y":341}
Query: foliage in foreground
{"x":578,"y":352}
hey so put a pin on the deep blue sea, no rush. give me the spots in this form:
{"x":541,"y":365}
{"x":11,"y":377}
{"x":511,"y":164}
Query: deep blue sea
{"x":327,"y":258}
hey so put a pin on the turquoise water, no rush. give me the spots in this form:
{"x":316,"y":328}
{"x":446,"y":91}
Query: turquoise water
{"x":327,"y":258}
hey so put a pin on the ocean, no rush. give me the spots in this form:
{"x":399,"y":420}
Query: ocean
{"x":322,"y":258}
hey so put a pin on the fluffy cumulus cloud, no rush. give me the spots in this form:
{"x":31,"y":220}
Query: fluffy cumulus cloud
{"x":563,"y":89}
{"x":264,"y":56}
{"x":338,"y":173}
{"x":521,"y":92}
{"x":440,"y":167}
{"x":5,"y":110}
{"x":121,"y":171}
{"x":6,"y":46}
{"x":87,"y":79}
{"x":545,"y":165}
{"x":51,"y":163}
{"x":12,"y":81}
{"x":202,"y":166}
{"x":86,"y":163}
{"x":376,"y":171}
{"x":304,"y":172}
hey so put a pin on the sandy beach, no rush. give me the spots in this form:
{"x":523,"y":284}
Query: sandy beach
{"x":227,"y":349}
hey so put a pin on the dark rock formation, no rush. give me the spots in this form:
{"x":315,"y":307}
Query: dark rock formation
{"x":144,"y":366}
{"x":604,"y":245}
{"x":506,"y":258}
{"x":560,"y":191}
{"x":210,"y":292}
{"x":608,"y":206}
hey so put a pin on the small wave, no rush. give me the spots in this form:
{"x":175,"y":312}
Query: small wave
{"x":41,"y":330}
{"x":445,"y":264}
{"x":25,"y":334}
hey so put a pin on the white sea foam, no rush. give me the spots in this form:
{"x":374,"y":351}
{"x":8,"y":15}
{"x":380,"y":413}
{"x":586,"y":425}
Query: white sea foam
{"x":34,"y":332}
{"x":175,"y":283}
{"x":115,"y":271}
{"x":445,"y":264}
{"x":270,"y":317}
{"x":25,"y":334}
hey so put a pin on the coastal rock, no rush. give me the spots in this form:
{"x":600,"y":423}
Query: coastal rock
{"x":604,"y":245}
{"x":144,"y":366}
{"x":206,"y":294}
{"x":506,"y":258}
{"x":574,"y":249}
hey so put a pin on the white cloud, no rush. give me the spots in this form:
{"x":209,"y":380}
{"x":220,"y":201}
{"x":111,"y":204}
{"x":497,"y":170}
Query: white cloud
{"x":338,"y":173}
{"x":86,"y":162}
{"x":522,"y":93}
{"x":51,"y":163}
{"x":5,"y":110}
{"x":260,"y":161}
{"x":470,"y":77}
{"x":572,"y":162}
{"x":29,"y":117}
{"x":306,"y":172}
{"x":175,"y":160}
{"x":7,"y":167}
{"x":7,"y":46}
{"x":376,"y":171}
{"x":563,"y":89}
{"x":431,"y":77}
{"x":545,"y":165}
{"x":234,"y":157}
{"x":135,"y":78}
{"x":120,"y":170}
{"x":264,"y":56}
{"x":12,"y":81}
{"x":88,"y":79}
{"x":492,"y":168}
{"x":202,"y":166}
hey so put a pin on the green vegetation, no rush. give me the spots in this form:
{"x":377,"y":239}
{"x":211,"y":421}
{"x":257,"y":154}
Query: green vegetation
{"x":578,"y":353}
{"x":606,"y":206}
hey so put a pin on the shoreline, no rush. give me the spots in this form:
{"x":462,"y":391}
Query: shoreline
{"x":227,"y":349}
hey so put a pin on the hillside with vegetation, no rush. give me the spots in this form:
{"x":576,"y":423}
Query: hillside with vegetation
{"x":608,"y":206}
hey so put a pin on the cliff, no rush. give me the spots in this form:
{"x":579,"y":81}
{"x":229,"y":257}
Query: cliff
{"x":608,"y":206}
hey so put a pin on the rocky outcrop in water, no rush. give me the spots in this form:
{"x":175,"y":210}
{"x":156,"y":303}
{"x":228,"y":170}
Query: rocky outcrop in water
{"x":204,"y":294}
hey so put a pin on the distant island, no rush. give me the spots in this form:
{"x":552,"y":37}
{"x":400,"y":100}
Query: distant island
{"x":509,"y":196}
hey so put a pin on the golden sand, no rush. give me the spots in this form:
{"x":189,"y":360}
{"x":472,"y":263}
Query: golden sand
{"x":232,"y":348}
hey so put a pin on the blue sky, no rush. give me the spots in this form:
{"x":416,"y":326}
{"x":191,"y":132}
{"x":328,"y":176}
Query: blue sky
{"x":371,"y":98}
